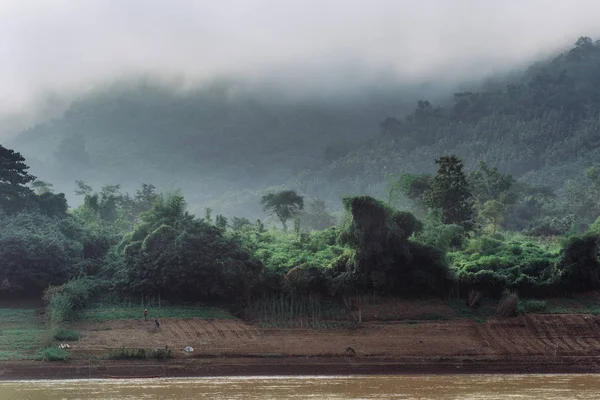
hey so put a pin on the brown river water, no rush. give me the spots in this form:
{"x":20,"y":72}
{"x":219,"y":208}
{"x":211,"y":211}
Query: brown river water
{"x":421,"y":387}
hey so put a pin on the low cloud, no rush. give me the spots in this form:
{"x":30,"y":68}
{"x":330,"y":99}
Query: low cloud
{"x":305,"y":46}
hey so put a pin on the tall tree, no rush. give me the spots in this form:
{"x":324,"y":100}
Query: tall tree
{"x":492,"y":214}
{"x":317,"y":216}
{"x":411,"y":186}
{"x":13,"y":178}
{"x":488,"y":184}
{"x":142,"y":201}
{"x":449,"y":191}
{"x":42,"y":187}
{"x":286,"y":205}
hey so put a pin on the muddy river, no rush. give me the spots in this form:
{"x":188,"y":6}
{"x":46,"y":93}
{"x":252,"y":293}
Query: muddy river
{"x":425,"y":387}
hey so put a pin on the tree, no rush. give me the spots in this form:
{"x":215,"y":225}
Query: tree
{"x":412,"y":186}
{"x":286,"y":205}
{"x":489,"y":184}
{"x":171,"y":253}
{"x":106,"y":204}
{"x":35,"y":251}
{"x":317,"y":216}
{"x":579,"y":265}
{"x":13,"y":178}
{"x":383,"y":259}
{"x":221,"y":222}
{"x":140,"y":202}
{"x":449,"y":191}
{"x":83,"y":189}
{"x":52,"y":205}
{"x":42,"y":187}
{"x":238,"y":223}
{"x":493,"y":214}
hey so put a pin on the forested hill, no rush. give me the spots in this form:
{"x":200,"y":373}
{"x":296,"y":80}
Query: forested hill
{"x":543,"y":127}
{"x":220,"y":137}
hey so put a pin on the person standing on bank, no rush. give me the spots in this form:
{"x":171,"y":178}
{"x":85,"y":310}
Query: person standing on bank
{"x":146,"y":314}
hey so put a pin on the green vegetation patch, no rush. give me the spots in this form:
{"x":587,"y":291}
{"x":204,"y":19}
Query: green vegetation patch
{"x":66,"y":335}
{"x":139,"y":354}
{"x":583,"y":305}
{"x":531,"y":307}
{"x":53,"y":354}
{"x":108,"y":313}
{"x":18,"y":317}
{"x":22,"y":334}
{"x":486,"y":309}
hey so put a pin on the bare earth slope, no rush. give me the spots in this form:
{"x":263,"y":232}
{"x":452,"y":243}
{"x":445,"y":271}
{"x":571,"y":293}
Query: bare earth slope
{"x":533,"y":335}
{"x":396,"y":338}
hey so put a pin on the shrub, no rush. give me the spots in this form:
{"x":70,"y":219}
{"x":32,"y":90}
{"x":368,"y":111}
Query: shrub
{"x":53,"y":354}
{"x":531,"y":306}
{"x":160,"y":354}
{"x":74,"y":295}
{"x":60,"y":308}
{"x":127,"y":354}
{"x":507,"y":306}
{"x":492,"y":266}
{"x":66,"y":335}
{"x":139,"y":354}
{"x":579,"y":266}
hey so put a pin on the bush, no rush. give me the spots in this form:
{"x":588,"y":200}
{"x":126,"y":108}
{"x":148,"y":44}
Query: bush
{"x":66,"y":335}
{"x":507,"y":306}
{"x":74,"y":295}
{"x":53,"y":354}
{"x":139,"y":354}
{"x":160,"y":354}
{"x":493,"y":266}
{"x":531,"y":307}
{"x":579,"y":265}
{"x":36,"y":251}
{"x":385,"y":260}
{"x":60,"y":308}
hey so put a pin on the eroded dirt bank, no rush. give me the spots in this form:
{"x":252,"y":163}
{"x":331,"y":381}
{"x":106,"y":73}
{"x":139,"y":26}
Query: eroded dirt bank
{"x":80,"y":369}
{"x":535,"y":343}
{"x":531,"y":336}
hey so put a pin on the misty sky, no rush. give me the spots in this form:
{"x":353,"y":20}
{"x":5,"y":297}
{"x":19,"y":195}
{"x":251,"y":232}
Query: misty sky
{"x":62,"y":45}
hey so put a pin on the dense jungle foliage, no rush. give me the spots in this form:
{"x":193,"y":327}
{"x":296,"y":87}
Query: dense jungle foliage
{"x":467,"y":198}
{"x":148,"y":245}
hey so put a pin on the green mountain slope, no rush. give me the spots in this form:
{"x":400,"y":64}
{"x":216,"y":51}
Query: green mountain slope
{"x":543,"y":127}
{"x":224,"y":145}
{"x":208,"y":141}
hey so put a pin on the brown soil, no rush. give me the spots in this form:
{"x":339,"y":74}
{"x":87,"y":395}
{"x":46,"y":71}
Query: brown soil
{"x":534,"y":335}
{"x":536,"y":343}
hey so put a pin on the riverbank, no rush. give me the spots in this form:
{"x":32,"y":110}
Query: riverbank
{"x":81,"y":369}
{"x":529,"y":344}
{"x":395,"y":337}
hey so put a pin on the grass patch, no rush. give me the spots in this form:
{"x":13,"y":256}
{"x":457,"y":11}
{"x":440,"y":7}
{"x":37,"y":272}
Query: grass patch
{"x":18,"y":318}
{"x":66,"y":335}
{"x":108,"y":313}
{"x":139,"y":354}
{"x":486,"y":309}
{"x":290,"y":312}
{"x":581,"y":305}
{"x":53,"y":354}
{"x":531,"y":307}
{"x":21,"y":334}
